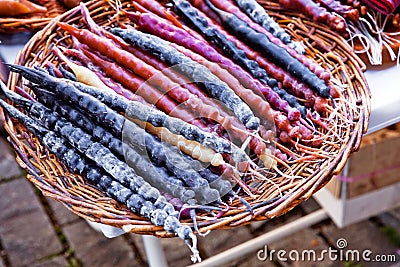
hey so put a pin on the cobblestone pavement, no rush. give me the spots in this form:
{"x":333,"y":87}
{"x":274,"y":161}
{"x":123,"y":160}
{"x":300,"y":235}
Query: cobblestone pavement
{"x":38,"y":231}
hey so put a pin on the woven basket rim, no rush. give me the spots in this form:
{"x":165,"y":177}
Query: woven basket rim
{"x":111,"y":215}
{"x":32,"y":23}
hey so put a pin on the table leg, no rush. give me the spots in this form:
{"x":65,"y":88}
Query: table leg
{"x":154,"y":251}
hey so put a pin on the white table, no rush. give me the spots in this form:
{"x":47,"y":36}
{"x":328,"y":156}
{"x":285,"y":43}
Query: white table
{"x":384,"y":82}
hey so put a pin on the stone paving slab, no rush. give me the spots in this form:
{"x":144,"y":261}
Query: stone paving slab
{"x":137,"y":240}
{"x":395,"y":213}
{"x":92,"y":248}
{"x":221,"y":240}
{"x":362,"y":236}
{"x":387,"y":219}
{"x":305,"y":244}
{"x":61,"y":213}
{"x":251,"y":260}
{"x":25,"y":229}
{"x":310,"y":205}
{"x":176,"y":252}
{"x":8,"y":166}
{"x":58,"y":261}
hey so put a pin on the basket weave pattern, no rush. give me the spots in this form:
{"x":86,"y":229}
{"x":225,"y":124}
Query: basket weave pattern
{"x":35,"y":22}
{"x":326,"y":47}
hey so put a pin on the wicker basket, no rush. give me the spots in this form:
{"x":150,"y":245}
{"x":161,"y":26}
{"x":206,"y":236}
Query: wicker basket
{"x":329,"y":49}
{"x":35,"y":22}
